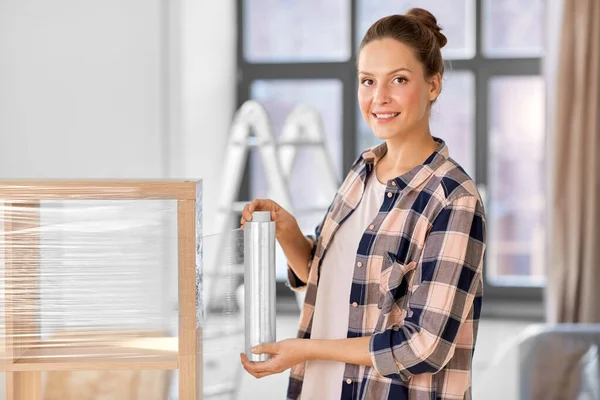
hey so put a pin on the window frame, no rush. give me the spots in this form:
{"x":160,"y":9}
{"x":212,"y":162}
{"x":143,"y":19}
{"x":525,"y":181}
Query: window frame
{"x":482,"y":68}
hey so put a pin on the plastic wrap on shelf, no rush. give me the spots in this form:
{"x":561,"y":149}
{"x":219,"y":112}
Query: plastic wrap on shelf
{"x":101,"y":276}
{"x":223,"y":334}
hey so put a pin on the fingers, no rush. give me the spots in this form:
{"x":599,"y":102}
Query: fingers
{"x":258,"y":369}
{"x":266,"y":348}
{"x":258,"y":205}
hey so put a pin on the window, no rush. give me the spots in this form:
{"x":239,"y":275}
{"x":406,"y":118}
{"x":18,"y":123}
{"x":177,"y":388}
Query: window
{"x":296,"y":31}
{"x":457,"y":16}
{"x":490,"y":111}
{"x":516,"y":177}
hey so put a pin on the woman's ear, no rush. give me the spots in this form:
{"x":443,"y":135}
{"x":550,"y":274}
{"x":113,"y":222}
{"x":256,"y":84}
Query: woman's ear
{"x":435,"y":86}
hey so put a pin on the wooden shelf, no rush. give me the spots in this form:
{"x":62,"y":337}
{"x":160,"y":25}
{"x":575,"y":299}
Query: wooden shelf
{"x":98,"y":190}
{"x":133,"y":354}
{"x":24,"y":355}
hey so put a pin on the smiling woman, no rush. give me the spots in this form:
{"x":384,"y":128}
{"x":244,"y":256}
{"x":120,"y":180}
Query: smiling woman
{"x":393,"y":274}
{"x":398,"y":99}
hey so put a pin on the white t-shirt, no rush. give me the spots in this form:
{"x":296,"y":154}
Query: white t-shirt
{"x":324,"y":379}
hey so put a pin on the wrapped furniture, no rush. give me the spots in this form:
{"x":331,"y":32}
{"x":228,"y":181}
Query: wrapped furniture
{"x":85,"y":270}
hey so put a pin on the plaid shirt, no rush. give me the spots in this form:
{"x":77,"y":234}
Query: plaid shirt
{"x":417,"y":285}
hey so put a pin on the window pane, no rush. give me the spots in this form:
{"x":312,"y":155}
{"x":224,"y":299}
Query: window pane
{"x":308,"y":184}
{"x":300,"y":30}
{"x":516,"y":204}
{"x":456,"y":17}
{"x":513,"y":28}
{"x":452,"y":119}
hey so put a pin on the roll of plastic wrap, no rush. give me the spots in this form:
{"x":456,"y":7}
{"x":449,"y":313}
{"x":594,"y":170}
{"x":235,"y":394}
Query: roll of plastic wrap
{"x":259,"y":283}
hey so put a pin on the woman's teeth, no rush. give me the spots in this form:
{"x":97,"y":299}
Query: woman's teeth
{"x":384,"y":116}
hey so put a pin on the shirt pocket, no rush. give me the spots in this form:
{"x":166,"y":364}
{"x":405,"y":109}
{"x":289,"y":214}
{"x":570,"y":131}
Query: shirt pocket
{"x":395,"y":284}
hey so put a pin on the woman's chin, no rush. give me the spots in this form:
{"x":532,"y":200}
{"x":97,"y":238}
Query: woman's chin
{"x":384,"y":135}
{"x":389,"y":133}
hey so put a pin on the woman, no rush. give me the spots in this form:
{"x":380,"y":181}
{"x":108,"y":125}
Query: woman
{"x":393,"y":276}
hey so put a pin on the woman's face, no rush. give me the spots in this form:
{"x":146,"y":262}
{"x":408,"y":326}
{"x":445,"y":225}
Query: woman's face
{"x":393,"y":95}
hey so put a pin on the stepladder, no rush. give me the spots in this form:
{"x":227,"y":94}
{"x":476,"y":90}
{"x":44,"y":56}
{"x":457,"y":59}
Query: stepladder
{"x":279,"y":155}
{"x":72,"y":303}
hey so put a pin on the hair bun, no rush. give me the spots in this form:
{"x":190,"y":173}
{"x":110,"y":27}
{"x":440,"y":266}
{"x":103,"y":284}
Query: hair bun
{"x":427,"y":19}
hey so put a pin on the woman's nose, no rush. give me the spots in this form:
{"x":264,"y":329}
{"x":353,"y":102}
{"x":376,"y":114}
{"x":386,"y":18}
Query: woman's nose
{"x":381,"y":95}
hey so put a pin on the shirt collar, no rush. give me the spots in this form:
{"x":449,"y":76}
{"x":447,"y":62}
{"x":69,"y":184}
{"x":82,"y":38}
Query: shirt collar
{"x":418,"y":174}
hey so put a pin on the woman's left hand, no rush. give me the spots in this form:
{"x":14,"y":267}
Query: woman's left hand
{"x":284,"y":354}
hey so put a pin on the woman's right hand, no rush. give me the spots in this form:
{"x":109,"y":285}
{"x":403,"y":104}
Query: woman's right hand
{"x":296,"y":247}
{"x":286,"y":225}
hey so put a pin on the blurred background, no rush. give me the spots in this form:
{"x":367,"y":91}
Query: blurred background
{"x":149,"y":89}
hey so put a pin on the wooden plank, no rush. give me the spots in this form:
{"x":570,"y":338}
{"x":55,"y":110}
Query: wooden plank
{"x":99,"y":351}
{"x":22,"y":277}
{"x":188,"y":389}
{"x":107,"y":385}
{"x":168,"y":362}
{"x":186,"y":226}
{"x":100,"y":190}
{"x":96,"y":364}
{"x":79,"y":358}
{"x":24,"y":386}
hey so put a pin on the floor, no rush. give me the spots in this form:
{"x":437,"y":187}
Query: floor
{"x":492,"y":366}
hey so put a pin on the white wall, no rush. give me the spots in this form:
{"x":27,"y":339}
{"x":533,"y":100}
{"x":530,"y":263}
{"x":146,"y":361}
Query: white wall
{"x":81,"y":89}
{"x":117,"y":89}
{"x":208,"y":97}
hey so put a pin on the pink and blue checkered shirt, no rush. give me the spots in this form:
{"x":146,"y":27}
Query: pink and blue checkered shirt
{"x":417,"y":285}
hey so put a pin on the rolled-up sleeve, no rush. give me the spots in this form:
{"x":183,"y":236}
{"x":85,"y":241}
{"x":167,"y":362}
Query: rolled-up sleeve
{"x":447,"y":293}
{"x":294,"y":282}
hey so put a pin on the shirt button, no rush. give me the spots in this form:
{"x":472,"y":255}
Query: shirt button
{"x":359,"y":264}
{"x":390,"y":194}
{"x":372,"y":227}
{"x":355,"y":304}
{"x":393,"y":183}
{"x":348,"y":381}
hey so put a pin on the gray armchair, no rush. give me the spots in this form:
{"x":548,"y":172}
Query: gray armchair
{"x":560,"y":362}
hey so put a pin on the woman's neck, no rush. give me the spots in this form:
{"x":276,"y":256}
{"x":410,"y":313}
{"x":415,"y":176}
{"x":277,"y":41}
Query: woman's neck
{"x":404,"y":153}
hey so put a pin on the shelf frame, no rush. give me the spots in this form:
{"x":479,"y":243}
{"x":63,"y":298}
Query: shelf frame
{"x":26,"y":356}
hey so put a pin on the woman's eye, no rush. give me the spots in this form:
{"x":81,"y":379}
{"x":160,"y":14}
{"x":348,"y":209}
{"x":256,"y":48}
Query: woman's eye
{"x":399,"y":80}
{"x":367,"y":82}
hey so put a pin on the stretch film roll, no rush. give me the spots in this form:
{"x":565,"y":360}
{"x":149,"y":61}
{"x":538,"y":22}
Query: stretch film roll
{"x":259,"y":282}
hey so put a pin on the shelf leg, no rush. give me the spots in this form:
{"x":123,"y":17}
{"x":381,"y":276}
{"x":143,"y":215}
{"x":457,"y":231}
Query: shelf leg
{"x":189,"y":373}
{"x":24,"y":385}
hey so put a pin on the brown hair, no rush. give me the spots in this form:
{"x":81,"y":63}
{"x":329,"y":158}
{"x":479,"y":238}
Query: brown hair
{"x":417,"y":29}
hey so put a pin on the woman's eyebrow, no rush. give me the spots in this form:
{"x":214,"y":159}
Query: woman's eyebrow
{"x":389,"y":73}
